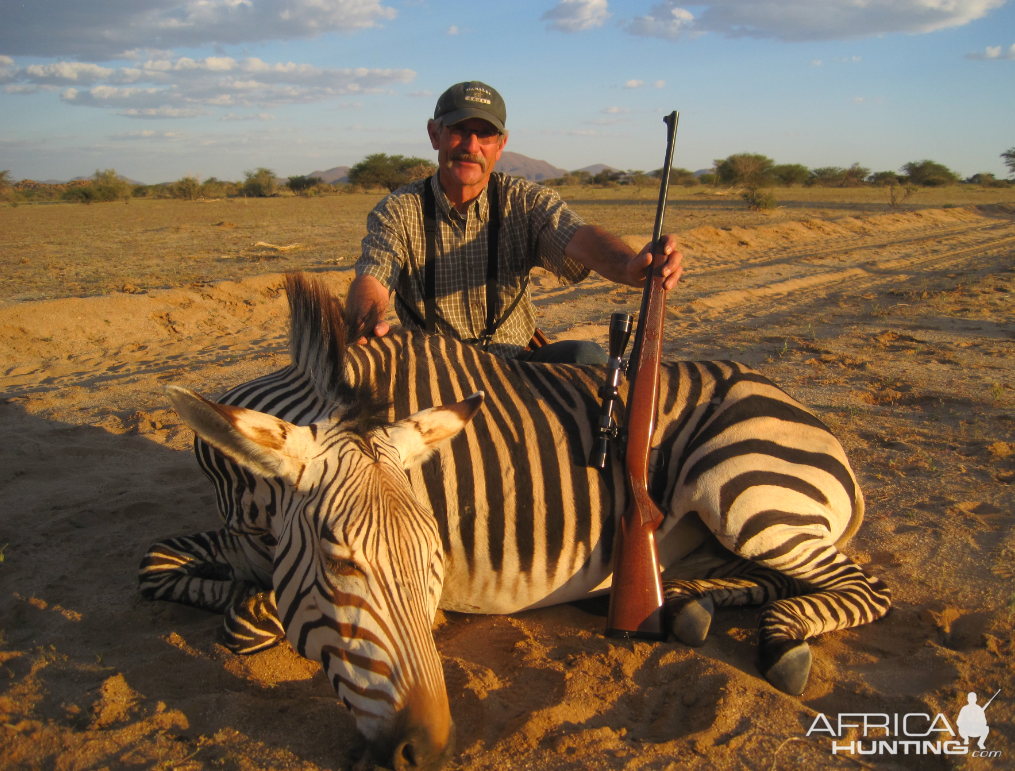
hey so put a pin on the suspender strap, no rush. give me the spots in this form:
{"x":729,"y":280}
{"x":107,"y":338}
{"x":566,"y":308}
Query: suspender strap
{"x":430,"y":260}
{"x":429,"y":321}
{"x":492,"y":247}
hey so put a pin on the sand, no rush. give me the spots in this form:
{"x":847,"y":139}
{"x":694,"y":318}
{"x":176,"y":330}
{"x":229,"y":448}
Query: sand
{"x":896,"y":329}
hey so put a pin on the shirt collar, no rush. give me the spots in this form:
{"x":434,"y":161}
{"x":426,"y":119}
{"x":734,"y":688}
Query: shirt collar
{"x":480,"y":207}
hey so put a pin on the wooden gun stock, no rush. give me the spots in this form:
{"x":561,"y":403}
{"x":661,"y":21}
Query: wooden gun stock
{"x":636,"y":599}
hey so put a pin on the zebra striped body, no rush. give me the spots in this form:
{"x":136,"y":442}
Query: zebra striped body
{"x":516,"y":518}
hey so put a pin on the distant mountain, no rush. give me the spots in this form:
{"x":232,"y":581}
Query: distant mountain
{"x":518,"y":165}
{"x":595,"y":168}
{"x":332,"y":176}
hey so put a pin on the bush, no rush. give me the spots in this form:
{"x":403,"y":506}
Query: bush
{"x":758,"y":198}
{"x":259,"y":183}
{"x":747,"y":169}
{"x":884,"y":179}
{"x":105,"y":186}
{"x":187,"y":188}
{"x":826,"y":176}
{"x":389,"y":171}
{"x":929,"y":174}
{"x":789,"y":174}
{"x":707,"y":178}
{"x":301,"y":185}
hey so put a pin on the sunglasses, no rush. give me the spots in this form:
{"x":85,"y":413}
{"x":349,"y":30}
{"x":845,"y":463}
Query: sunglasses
{"x":486,"y":136}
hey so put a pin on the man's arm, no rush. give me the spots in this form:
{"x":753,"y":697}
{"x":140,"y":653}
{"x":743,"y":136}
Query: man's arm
{"x":367,"y":298}
{"x":612,"y":259}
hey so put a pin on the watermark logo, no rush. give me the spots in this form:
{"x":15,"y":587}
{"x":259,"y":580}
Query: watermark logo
{"x":914,"y":733}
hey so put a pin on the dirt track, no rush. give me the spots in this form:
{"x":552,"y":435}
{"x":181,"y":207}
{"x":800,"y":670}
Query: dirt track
{"x":896,"y":329}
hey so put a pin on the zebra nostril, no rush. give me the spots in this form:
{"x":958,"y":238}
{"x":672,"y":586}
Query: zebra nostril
{"x":405,"y":757}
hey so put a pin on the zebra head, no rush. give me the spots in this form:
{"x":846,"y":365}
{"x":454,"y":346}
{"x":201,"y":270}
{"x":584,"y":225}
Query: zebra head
{"x":359,"y":565}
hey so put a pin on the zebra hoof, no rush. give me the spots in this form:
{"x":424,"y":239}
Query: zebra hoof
{"x":692,"y":621}
{"x":786,"y":665}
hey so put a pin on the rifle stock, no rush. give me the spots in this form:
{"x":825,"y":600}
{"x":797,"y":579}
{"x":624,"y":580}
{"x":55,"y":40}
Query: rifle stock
{"x":636,"y":597}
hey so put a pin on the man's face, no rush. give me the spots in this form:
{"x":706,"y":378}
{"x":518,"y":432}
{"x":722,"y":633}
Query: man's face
{"x":467,"y":151}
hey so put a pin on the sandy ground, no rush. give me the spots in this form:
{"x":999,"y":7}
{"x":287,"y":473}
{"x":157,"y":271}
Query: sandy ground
{"x":897,"y":329}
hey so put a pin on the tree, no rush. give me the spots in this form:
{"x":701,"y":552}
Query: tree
{"x":187,"y":188}
{"x":929,"y":174}
{"x":749,"y":170}
{"x":301,"y":184}
{"x":259,"y":183}
{"x":110,"y":186}
{"x":389,"y":171}
{"x":5,"y":184}
{"x":678,"y":176}
{"x":855,"y":175}
{"x":789,"y":174}
{"x":883,"y":178}
{"x":1009,"y":159}
{"x":827,"y":176}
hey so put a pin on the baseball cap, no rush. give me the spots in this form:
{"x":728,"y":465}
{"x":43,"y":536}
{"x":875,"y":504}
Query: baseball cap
{"x":471,"y":99}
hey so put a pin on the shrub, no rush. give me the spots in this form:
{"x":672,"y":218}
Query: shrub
{"x":789,"y":174}
{"x":758,"y":198}
{"x":747,"y":169}
{"x":104,"y":186}
{"x":883,"y":179}
{"x":301,"y":185}
{"x":929,"y":174}
{"x":707,"y":178}
{"x":259,"y":183}
{"x":187,"y":188}
{"x":897,"y":194}
{"x":389,"y":171}
{"x":855,"y":175}
{"x":827,"y":176}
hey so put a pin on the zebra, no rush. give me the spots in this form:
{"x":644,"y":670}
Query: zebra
{"x":364,"y":486}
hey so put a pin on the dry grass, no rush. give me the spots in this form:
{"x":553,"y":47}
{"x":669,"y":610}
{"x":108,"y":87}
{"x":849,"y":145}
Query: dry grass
{"x":71,"y":250}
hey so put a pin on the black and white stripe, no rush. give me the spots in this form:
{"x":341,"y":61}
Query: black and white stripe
{"x":507,"y":515}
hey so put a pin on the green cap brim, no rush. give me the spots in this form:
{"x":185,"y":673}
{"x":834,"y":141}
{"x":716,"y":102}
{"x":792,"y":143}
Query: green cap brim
{"x":451,"y":118}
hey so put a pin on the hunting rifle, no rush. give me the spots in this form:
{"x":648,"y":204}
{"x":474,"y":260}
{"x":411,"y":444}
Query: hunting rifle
{"x":636,"y":599}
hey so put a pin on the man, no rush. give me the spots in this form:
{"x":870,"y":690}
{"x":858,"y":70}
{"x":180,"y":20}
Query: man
{"x":487,"y":231}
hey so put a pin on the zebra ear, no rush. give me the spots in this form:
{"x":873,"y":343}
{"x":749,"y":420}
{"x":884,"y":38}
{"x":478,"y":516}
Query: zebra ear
{"x":262,"y":443}
{"x":418,"y":435}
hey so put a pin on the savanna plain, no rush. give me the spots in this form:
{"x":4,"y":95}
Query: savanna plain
{"x":893,"y":324}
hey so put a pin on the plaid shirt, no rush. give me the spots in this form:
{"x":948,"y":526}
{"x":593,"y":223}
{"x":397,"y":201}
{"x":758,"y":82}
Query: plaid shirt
{"x":535,"y":228}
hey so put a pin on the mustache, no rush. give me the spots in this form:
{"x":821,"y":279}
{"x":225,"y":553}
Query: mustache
{"x":470,"y":157}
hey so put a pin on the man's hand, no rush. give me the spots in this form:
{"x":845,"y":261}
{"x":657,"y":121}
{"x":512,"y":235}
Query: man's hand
{"x":368,"y":298}
{"x":669,"y":267}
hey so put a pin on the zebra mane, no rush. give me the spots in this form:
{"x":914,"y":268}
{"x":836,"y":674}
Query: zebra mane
{"x":318,"y":338}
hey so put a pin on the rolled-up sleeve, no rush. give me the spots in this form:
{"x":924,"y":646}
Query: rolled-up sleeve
{"x":553,"y":225}
{"x":384,"y":247}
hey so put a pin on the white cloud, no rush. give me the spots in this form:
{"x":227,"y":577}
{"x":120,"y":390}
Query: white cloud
{"x":108,"y":29}
{"x":666,"y":20}
{"x":616,"y":110}
{"x":994,"y":52}
{"x":147,"y":135}
{"x":634,"y":84}
{"x":659,"y":84}
{"x":577,"y":15}
{"x":185,"y":87}
{"x":420,"y":93}
{"x":452,"y":30}
{"x":816,"y":63}
{"x":155,"y":113}
{"x":798,"y":20}
{"x":261,"y":116}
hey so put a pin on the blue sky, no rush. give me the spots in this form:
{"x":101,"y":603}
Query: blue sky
{"x":159,"y":89}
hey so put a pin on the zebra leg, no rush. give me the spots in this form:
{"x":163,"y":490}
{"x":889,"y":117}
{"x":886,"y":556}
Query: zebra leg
{"x":841,"y":596}
{"x":252,"y":624}
{"x":724,"y":580}
{"x":198,"y":570}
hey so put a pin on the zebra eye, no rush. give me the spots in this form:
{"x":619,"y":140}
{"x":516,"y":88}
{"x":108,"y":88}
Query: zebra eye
{"x":343,"y":567}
